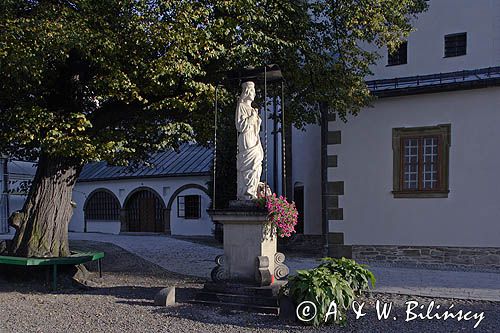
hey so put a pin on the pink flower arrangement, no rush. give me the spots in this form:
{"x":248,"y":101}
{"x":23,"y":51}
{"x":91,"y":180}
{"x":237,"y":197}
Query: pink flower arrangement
{"x":282,"y":214}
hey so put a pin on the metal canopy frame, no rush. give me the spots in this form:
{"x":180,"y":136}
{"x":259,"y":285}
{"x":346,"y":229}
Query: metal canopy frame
{"x":268,"y":74}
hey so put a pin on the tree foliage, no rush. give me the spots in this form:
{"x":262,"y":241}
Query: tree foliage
{"x":116,"y":79}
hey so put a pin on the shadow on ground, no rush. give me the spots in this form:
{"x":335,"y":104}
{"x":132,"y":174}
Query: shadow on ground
{"x":125,"y":276}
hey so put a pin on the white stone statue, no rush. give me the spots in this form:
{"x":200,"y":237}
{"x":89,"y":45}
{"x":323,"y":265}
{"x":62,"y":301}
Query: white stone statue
{"x":250,"y":152}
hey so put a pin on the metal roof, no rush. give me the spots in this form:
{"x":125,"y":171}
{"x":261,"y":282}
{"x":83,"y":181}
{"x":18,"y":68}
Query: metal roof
{"x":191,"y":160}
{"x":466,"y":79}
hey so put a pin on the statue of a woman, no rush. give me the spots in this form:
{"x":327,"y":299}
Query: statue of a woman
{"x":250,"y":153}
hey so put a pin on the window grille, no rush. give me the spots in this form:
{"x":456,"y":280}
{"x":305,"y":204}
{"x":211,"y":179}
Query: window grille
{"x":103,"y":206}
{"x":421,"y":161}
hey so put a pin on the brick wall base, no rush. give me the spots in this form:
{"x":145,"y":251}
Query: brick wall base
{"x":461,"y":257}
{"x":468,"y":258}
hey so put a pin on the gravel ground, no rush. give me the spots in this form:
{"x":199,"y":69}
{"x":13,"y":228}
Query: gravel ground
{"x":123,"y":303}
{"x":197,"y":259}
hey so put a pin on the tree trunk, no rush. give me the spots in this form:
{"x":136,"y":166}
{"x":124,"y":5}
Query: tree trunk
{"x":42,"y":225}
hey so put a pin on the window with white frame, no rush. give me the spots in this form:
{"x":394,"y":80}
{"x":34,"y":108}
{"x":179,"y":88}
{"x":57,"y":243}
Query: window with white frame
{"x":189,"y":206}
{"x":420,"y":158}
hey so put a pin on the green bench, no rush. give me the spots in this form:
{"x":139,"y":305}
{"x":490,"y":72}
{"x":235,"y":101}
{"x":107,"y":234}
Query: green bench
{"x":75,"y":258}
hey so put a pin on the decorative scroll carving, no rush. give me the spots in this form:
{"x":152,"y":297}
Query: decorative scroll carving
{"x":217,"y":273}
{"x":281,"y":271}
{"x":219,"y":260}
{"x":279,"y":258}
{"x":262,"y":272}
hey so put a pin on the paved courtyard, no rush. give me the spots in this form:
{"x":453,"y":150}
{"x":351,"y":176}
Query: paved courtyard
{"x":197,"y":260}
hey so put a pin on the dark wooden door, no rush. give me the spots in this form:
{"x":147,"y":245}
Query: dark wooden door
{"x":147,"y":216}
{"x":145,"y":212}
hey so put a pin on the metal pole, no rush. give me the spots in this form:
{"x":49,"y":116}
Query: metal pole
{"x":265,"y":127}
{"x":283,"y":141}
{"x":5,"y":196}
{"x":275,"y":145}
{"x":54,"y":277}
{"x":215,"y":146}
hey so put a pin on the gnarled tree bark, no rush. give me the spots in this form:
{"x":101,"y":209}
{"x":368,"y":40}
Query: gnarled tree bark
{"x":42,"y":225}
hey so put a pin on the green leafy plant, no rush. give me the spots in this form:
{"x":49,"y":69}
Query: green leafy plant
{"x":356,"y":275}
{"x":321,"y":287}
{"x":336,"y":281}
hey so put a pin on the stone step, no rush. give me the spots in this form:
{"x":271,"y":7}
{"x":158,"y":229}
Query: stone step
{"x":240,"y":289}
{"x":241,"y":307}
{"x":237,"y":298}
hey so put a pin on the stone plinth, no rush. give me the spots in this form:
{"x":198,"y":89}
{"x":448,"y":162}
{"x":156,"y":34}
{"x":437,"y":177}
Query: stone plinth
{"x":249,"y":247}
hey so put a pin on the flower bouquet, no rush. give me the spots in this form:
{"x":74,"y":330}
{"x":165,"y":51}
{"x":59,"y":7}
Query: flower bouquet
{"x":282,"y":214}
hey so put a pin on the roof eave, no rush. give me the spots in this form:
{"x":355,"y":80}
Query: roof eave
{"x":476,"y":84}
{"x":196,"y":174}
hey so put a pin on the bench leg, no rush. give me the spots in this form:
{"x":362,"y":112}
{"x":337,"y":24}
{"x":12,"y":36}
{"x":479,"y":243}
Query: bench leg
{"x":99,"y":267}
{"x":54,"y":277}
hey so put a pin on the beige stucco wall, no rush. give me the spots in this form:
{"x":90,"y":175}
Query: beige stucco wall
{"x":470,"y":216}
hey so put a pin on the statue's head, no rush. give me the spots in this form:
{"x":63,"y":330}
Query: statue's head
{"x":247,"y":91}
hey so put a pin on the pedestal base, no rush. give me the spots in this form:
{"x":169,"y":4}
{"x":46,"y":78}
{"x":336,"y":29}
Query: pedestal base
{"x":249,"y":248}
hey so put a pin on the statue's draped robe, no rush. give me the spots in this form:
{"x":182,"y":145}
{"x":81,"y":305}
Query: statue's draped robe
{"x":250,"y":153}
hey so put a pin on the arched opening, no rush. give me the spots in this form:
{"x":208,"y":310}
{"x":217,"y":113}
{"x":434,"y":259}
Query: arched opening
{"x":189,"y":207}
{"x":183,"y":188}
{"x":144,"y":211}
{"x":298,"y":198}
{"x":101,"y":210}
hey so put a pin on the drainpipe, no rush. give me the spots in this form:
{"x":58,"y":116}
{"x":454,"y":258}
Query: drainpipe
{"x":324,"y":174}
{"x":5,"y":169}
{"x":275,"y":148}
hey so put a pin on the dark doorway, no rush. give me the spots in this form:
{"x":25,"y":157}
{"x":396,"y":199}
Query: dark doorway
{"x":298,"y":197}
{"x":144,"y":212}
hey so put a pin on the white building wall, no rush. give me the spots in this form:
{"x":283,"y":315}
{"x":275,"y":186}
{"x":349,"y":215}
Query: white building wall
{"x":306,"y":170}
{"x":164,"y":187}
{"x":105,"y":227}
{"x":479,"y":18}
{"x":181,"y":226}
{"x":468,"y":217}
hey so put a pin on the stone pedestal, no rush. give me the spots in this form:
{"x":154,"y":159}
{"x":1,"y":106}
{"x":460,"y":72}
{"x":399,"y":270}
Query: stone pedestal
{"x":249,"y":247}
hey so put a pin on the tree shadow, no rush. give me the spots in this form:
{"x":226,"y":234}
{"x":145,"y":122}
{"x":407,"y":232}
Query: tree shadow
{"x":137,"y":295}
{"x":215,"y":315}
{"x":124,"y":286}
